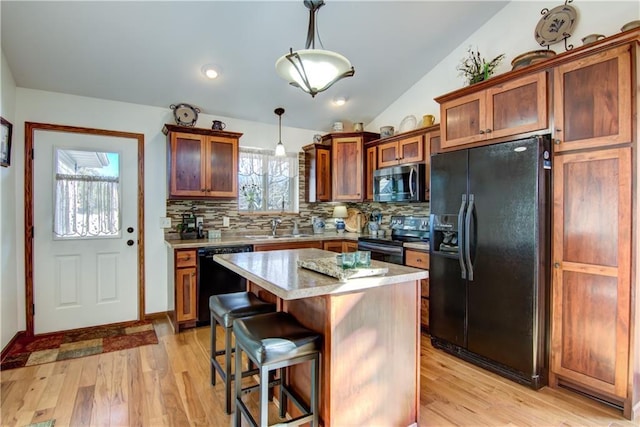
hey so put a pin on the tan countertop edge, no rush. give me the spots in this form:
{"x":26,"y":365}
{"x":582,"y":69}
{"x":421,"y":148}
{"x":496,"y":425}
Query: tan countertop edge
{"x":419,"y":246}
{"x":278,"y":273}
{"x":240,"y":239}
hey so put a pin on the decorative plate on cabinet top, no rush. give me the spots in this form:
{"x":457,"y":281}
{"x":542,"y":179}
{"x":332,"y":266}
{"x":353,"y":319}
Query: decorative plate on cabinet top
{"x":407,"y":124}
{"x":185,"y":114}
{"x":555,"y":25}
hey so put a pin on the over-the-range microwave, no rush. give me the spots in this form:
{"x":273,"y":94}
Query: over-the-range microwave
{"x":403,"y":183}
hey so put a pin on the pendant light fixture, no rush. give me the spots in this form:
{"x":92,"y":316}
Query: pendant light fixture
{"x":280,"y":151}
{"x":313,"y":70}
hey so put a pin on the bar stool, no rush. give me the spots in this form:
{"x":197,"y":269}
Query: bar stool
{"x":276,"y":341}
{"x":224,"y":309}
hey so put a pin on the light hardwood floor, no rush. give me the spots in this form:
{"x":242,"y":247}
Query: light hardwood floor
{"x":168,"y":385}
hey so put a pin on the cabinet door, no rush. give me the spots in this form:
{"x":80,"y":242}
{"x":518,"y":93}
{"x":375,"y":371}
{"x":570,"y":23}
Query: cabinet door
{"x":463,"y":120}
{"x":410,"y":150}
{"x":323,"y":175}
{"x":347,"y":171}
{"x":333,"y":246}
{"x":431,"y":142}
{"x":221,"y":156}
{"x":349,"y":246}
{"x":592,"y":101}
{"x":388,"y":154}
{"x":187,"y":176}
{"x":517,"y":106}
{"x":186,"y":298}
{"x":591,"y":284}
{"x":371,"y":164}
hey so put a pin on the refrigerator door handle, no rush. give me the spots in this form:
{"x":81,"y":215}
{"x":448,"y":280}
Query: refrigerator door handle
{"x":467,"y":237}
{"x":463,"y":269}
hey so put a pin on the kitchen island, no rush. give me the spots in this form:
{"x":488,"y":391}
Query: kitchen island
{"x":371,"y":347}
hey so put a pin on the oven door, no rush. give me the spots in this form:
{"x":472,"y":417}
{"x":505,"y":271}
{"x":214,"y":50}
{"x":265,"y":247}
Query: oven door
{"x":382,"y":252}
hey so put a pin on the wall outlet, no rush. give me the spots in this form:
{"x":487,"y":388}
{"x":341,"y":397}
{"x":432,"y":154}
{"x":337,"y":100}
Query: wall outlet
{"x":199,"y":221}
{"x":165,"y":222}
{"x":225,"y":221}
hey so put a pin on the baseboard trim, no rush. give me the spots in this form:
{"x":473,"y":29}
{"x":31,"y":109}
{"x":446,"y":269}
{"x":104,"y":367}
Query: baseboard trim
{"x":6,"y":349}
{"x":157,"y":315}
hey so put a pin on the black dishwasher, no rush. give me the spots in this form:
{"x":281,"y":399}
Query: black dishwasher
{"x":214,"y":279}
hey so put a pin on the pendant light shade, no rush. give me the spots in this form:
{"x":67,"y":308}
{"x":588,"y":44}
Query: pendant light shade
{"x":313,"y":70}
{"x":280,"y":151}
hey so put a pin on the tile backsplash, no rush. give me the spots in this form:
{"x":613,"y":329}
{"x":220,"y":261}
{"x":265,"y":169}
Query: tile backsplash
{"x":213,"y":212}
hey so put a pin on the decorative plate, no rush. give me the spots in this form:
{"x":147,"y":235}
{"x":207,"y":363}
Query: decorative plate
{"x":556,"y":25}
{"x":185,"y":114}
{"x":408,"y":123}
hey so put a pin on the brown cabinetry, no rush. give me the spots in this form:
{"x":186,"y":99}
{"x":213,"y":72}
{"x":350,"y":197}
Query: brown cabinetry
{"x":185,"y":287}
{"x":512,"y":107}
{"x":592,"y":271}
{"x":317,"y":185}
{"x":405,"y":150}
{"x":420,"y":259}
{"x":592,"y":100}
{"x":202,"y":163}
{"x":340,"y":246}
{"x":347,"y":164}
{"x":370,"y":165}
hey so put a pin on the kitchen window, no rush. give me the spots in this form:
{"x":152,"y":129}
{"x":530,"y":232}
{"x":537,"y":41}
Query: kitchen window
{"x":267,"y":183}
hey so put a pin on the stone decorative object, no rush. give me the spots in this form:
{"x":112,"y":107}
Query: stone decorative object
{"x":330,"y":267}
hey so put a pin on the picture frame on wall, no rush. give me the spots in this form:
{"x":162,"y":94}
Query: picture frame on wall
{"x":6,"y":129}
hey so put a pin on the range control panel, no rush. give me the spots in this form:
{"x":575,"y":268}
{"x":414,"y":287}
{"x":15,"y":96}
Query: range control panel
{"x":410,"y":223}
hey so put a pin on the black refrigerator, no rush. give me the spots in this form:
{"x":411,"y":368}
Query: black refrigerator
{"x":489,"y":270}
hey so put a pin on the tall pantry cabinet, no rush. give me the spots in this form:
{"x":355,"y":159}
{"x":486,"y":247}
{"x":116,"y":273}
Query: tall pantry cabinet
{"x":594,"y":339}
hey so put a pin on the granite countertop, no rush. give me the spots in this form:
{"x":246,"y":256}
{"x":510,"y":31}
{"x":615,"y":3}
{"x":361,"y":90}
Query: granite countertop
{"x":419,"y":246}
{"x":242,"y":239}
{"x":278,"y":273}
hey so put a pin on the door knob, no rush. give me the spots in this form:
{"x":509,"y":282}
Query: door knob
{"x":129,"y":242}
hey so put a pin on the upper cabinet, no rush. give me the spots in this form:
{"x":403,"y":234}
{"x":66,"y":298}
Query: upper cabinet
{"x":317,"y":184}
{"x":592,"y":101}
{"x":512,"y":107}
{"x":406,"y":150}
{"x":202,"y":163}
{"x":347,"y":165}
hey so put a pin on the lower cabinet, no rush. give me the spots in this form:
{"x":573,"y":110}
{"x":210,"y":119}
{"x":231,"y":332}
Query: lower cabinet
{"x":419,"y":259}
{"x":185,"y":290}
{"x":340,"y":246}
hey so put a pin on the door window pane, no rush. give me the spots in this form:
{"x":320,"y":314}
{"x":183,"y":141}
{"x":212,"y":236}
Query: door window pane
{"x":87,"y":194}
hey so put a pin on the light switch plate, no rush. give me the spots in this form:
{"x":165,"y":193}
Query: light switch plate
{"x":225,"y":221}
{"x":165,"y":222}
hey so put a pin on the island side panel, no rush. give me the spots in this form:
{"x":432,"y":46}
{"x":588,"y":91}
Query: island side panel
{"x":371,"y":354}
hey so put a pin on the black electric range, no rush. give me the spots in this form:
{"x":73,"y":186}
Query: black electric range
{"x":390,"y":247}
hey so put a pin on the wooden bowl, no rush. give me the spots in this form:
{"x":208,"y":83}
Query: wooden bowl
{"x":529,"y":58}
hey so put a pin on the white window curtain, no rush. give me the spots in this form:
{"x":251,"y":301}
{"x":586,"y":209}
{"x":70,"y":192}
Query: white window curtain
{"x":266,"y":182}
{"x":86,"y":206}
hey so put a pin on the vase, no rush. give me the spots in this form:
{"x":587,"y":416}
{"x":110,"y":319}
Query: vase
{"x":251,"y":205}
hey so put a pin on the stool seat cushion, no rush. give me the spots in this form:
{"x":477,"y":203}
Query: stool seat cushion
{"x":228,"y":307}
{"x":275,"y":337}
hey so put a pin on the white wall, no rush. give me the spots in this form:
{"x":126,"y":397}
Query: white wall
{"x":56,"y":108}
{"x":510,"y":31}
{"x":9,"y":285}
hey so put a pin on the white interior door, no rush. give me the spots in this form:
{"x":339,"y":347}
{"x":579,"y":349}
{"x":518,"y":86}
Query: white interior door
{"x":85,"y":253}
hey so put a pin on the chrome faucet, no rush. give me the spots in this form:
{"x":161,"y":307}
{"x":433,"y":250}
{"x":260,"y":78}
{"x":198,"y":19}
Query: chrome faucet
{"x":274,"y":225}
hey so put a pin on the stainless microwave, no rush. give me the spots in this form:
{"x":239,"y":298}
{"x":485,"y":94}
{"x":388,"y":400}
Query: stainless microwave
{"x":403,"y":183}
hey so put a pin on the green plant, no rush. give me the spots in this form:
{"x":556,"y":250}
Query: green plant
{"x":474,"y":68}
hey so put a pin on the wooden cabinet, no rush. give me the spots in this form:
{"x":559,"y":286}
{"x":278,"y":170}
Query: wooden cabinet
{"x":288,"y":245}
{"x":431,"y":140}
{"x":420,"y":259}
{"x":512,"y":107}
{"x":592,"y":100}
{"x":349,"y":246}
{"x":592,"y":270}
{"x":201,"y":163}
{"x":347,"y":164}
{"x":317,"y":185}
{"x":370,"y":165}
{"x":186,"y":300}
{"x":340,"y":245}
{"x":405,"y":150}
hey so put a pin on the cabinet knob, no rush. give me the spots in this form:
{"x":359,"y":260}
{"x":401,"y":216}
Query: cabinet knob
{"x":557,"y":141}
{"x":556,"y":265}
{"x":481,"y":132}
{"x":203,"y":190}
{"x":558,"y":130}
{"x":488,"y":131}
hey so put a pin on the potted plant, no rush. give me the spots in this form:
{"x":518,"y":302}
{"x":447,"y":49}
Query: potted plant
{"x":474,"y":68}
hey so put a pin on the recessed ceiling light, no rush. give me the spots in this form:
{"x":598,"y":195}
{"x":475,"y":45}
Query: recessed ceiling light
{"x":210,"y":71}
{"x":340,"y":101}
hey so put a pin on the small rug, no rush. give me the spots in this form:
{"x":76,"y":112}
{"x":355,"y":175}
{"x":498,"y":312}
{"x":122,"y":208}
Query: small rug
{"x":46,"y":348}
